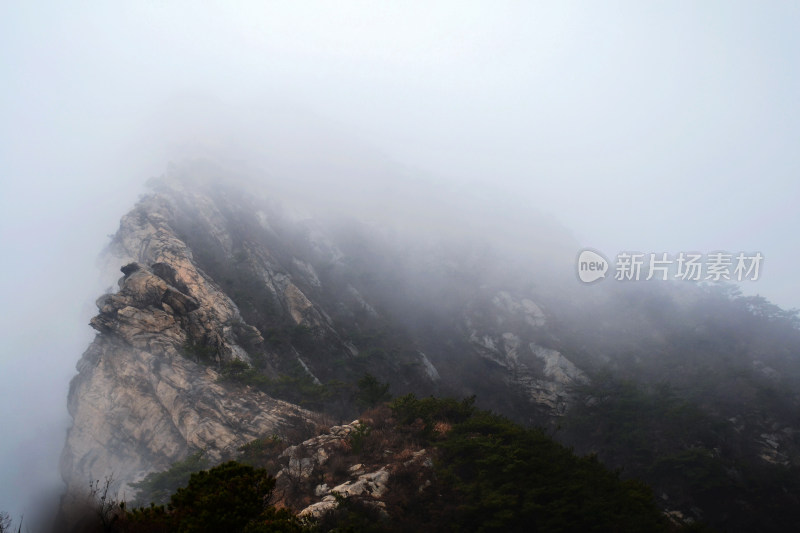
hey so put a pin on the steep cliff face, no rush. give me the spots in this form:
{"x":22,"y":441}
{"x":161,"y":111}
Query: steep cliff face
{"x":238,"y":320}
{"x":141,"y":399}
{"x":219,"y":285}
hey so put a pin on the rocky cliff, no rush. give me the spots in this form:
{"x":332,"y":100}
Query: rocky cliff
{"x":141,"y":400}
{"x":212,"y":277}
{"x":236,"y":319}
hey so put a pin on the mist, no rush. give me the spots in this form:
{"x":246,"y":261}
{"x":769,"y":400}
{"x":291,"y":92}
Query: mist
{"x":629,"y":126}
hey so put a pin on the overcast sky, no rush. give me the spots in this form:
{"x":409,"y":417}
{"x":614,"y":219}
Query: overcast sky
{"x":650,"y":126}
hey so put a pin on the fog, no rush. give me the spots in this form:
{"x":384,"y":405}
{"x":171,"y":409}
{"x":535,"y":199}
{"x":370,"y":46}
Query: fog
{"x":657,"y":127}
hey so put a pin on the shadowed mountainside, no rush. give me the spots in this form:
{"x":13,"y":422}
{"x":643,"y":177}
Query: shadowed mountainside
{"x":237,"y":319}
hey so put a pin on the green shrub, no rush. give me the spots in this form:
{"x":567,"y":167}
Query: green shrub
{"x":157,"y":487}
{"x":495,"y":475}
{"x":358,"y":437}
{"x":200,"y":353}
{"x":226,"y":498}
{"x":230,"y":498}
{"x":371,"y":392}
{"x":262,"y":453}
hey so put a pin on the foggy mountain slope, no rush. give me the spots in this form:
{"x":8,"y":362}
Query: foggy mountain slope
{"x":694,"y":390}
{"x":237,"y":319}
{"x":651,"y":127}
{"x":139,"y":400}
{"x":221,"y":292}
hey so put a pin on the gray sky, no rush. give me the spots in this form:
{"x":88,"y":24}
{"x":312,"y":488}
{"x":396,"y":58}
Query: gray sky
{"x":650,"y":126}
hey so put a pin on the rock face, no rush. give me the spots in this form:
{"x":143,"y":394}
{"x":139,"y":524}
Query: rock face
{"x":141,"y":399}
{"x":310,"y":483}
{"x":214,"y":275}
{"x":236,"y":320}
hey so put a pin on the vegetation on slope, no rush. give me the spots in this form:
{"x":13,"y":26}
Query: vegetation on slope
{"x":692,"y":385}
{"x":691,"y":458}
{"x":499,"y":476}
{"x":489,"y":474}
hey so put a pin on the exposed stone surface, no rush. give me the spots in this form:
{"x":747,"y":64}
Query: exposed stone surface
{"x":367,"y":488}
{"x":524,"y":307}
{"x":148,"y":390}
{"x":365,"y":483}
{"x":135,"y":411}
{"x":140,"y":401}
{"x":551,"y":386}
{"x":211,"y":279}
{"x":557,"y":367}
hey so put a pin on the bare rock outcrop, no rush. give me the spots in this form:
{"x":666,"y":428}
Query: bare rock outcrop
{"x":321,"y":472}
{"x":147,"y":392}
